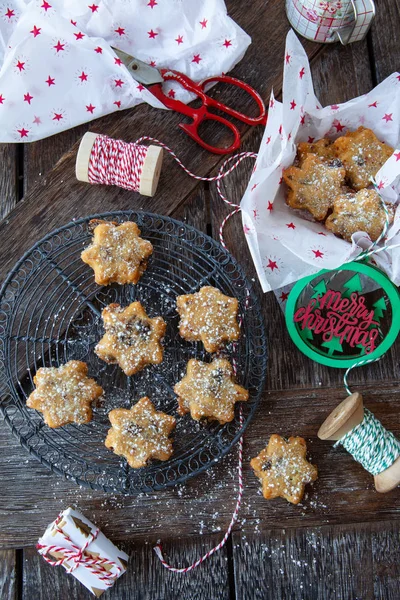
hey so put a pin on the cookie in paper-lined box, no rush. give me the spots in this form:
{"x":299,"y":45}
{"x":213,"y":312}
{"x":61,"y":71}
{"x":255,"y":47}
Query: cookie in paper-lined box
{"x":287,"y":245}
{"x":83,"y":550}
{"x":314,"y":186}
{"x":362,"y":155}
{"x":361,"y":211}
{"x":320,"y":185}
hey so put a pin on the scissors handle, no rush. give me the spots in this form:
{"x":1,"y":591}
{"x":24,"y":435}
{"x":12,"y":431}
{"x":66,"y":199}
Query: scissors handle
{"x":199,"y":90}
{"x":261,"y":119}
{"x":201,"y":115}
{"x":198,"y":116}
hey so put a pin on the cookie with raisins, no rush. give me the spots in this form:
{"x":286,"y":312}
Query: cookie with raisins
{"x":283,"y":469}
{"x":132,"y":340}
{"x":209,"y":390}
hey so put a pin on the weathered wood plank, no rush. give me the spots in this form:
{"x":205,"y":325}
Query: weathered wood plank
{"x":320,"y":564}
{"x":343,"y":493}
{"x":145,"y":579}
{"x":8,"y":583}
{"x":384,"y":39}
{"x":9,"y":183}
{"x":41,"y":581}
{"x":386,"y":561}
{"x":41,"y":156}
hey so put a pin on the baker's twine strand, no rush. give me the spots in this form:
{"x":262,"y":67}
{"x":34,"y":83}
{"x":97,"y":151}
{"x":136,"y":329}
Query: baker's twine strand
{"x":76,"y":555}
{"x":360,"y":363}
{"x":371,"y":444}
{"x":158,"y":547}
{"x":114,"y":162}
{"x":236,"y":159}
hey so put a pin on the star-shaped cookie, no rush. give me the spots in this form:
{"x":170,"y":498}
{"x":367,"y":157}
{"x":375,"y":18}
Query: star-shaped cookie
{"x":322,"y":148}
{"x":362,"y":155}
{"x":315,"y":185}
{"x":209,"y":390}
{"x":208,"y":316}
{"x":283,"y":469}
{"x":140,"y":434}
{"x":64,"y":394}
{"x":117,"y":254}
{"x":132,"y":339}
{"x":360,"y":211}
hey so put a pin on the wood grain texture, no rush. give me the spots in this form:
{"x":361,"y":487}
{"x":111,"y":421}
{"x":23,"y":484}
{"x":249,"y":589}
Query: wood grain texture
{"x":385,"y":39}
{"x":41,"y":156}
{"x":43,"y":582}
{"x":145,"y":579}
{"x":9,"y":183}
{"x":344,"y":492}
{"x":8,"y":586}
{"x":324,"y":563}
{"x":386,"y":561}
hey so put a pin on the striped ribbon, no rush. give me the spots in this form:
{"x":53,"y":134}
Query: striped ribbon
{"x":114,"y":162}
{"x":76,"y":556}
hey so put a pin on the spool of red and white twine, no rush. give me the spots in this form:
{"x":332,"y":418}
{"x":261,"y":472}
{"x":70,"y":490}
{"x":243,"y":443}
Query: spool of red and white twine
{"x":103,"y":160}
{"x":75,"y":557}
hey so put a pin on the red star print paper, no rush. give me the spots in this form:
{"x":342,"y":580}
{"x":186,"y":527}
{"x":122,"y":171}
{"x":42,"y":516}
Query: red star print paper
{"x":284,"y":245}
{"x":58,"y":69}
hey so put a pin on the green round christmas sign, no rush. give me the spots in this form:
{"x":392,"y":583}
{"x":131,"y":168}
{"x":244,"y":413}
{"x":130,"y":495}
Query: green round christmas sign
{"x":342,"y":316}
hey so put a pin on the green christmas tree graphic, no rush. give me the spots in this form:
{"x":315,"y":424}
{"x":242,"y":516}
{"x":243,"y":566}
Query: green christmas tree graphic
{"x":333,"y":345}
{"x":352,"y":285}
{"x":380,"y":307}
{"x":319,"y":289}
{"x":306,"y":334}
{"x":362,"y":350}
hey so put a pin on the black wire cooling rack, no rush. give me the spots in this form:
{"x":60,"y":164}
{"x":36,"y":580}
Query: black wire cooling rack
{"x":50,"y":310}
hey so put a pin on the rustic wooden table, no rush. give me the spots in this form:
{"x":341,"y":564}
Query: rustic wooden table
{"x":343,"y":542}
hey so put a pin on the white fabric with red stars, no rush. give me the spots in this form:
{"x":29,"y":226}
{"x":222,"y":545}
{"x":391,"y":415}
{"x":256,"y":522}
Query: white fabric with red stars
{"x":286,"y":247}
{"x":58,"y":70}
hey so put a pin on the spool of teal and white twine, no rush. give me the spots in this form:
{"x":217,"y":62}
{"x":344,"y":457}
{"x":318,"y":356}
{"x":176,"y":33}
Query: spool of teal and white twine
{"x":370,"y":443}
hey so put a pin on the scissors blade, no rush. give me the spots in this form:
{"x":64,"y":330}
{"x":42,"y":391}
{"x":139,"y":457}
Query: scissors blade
{"x":141,"y":71}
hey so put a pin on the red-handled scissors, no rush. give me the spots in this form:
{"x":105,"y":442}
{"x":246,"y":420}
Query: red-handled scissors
{"x":153,"y":77}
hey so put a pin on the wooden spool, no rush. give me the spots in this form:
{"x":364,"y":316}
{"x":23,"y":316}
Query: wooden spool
{"x":150,"y":172}
{"x":347,"y":415}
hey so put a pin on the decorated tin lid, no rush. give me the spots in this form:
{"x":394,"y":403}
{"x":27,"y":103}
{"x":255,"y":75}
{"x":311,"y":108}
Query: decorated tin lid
{"x":342,"y":316}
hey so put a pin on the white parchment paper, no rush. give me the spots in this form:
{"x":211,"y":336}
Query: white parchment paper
{"x":58,"y":69}
{"x":286,"y":247}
